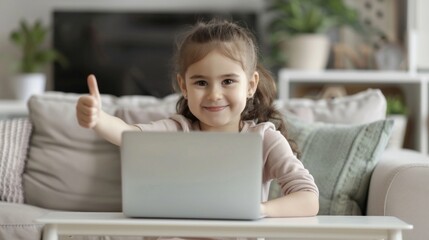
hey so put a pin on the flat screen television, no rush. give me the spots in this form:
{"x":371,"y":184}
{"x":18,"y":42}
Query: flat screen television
{"x":129,"y":52}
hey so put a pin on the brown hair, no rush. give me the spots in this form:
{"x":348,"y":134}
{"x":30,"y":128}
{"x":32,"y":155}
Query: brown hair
{"x":236,"y":43}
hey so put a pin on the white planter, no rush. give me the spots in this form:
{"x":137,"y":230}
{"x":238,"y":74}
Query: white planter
{"x":307,"y":51}
{"x":26,"y":85}
{"x":398,"y":132}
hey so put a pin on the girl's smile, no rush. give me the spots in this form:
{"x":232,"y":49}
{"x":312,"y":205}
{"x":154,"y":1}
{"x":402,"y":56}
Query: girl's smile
{"x":215,"y":108}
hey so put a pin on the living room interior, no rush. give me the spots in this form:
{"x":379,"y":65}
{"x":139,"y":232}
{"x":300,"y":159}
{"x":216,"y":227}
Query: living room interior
{"x":375,"y":71}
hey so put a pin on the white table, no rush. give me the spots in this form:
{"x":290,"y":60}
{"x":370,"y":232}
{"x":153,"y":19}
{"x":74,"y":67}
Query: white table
{"x":320,"y":227}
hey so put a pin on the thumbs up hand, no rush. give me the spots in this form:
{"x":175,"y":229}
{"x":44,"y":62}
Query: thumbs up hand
{"x":88,"y":108}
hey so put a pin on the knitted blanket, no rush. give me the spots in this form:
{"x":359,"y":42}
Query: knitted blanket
{"x":14,"y":139}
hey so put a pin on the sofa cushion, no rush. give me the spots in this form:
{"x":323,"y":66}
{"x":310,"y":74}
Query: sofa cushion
{"x":341,"y":159}
{"x":17,"y":221}
{"x":14,"y":137}
{"x":69,"y":167}
{"x":140,"y":109}
{"x":363,"y":107}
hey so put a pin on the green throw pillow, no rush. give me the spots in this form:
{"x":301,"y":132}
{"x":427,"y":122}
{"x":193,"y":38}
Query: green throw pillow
{"x":341,"y":159}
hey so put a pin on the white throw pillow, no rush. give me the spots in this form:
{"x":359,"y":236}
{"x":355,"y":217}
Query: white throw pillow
{"x":364,"y":107}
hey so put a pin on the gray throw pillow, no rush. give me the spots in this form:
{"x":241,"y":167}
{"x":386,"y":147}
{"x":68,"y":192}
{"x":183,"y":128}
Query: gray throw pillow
{"x":69,"y":167}
{"x":341,"y":159}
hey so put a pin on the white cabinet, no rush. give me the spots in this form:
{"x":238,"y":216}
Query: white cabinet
{"x":414,"y":87}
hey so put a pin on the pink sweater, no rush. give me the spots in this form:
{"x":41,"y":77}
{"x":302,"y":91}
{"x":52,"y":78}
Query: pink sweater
{"x":279,"y":161}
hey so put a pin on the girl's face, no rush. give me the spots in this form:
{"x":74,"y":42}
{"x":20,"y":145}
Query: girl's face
{"x":217,"y":89}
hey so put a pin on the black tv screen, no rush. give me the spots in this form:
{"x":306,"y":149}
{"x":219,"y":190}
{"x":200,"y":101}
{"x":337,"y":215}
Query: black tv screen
{"x":129,"y":52}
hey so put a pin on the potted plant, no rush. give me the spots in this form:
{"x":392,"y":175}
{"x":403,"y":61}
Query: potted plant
{"x":30,"y":38}
{"x":397,"y":110}
{"x":298,"y":30}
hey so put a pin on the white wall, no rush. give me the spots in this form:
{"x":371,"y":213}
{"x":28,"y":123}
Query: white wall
{"x":422,"y":28}
{"x":12,"y":11}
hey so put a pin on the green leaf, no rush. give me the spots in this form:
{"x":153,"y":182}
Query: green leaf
{"x":17,"y":38}
{"x":31,"y":38}
{"x":395,"y":105}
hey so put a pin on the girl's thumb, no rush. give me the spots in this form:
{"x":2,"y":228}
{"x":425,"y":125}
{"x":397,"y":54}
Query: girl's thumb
{"x":93,"y":87}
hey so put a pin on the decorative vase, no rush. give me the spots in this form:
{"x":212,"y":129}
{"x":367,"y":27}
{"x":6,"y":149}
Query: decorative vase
{"x":307,"y":51}
{"x":25,"y":85}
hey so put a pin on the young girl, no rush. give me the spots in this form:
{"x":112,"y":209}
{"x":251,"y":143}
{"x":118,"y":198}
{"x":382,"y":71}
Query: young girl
{"x":225,"y":90}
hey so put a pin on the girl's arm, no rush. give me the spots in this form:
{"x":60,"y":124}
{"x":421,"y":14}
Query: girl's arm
{"x":300,"y":193}
{"x":296,"y":204}
{"x":90,"y":115}
{"x":111,"y":128}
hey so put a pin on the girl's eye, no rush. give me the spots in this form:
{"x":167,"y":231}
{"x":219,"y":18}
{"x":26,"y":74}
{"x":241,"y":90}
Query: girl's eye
{"x":201,"y":83}
{"x":228,"y":81}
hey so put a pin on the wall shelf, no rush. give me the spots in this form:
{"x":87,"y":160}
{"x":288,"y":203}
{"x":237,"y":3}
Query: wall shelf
{"x":414,"y":87}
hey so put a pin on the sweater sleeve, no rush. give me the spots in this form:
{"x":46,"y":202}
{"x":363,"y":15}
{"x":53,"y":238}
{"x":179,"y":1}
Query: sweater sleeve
{"x":281,"y":164}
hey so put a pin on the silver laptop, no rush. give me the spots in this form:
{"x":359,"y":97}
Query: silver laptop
{"x":197,"y":175}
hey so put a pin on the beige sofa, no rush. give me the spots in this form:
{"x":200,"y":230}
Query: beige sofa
{"x":65,"y":167}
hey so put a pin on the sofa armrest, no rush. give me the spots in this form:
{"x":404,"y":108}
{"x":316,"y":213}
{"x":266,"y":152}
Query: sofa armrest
{"x":400,"y":187}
